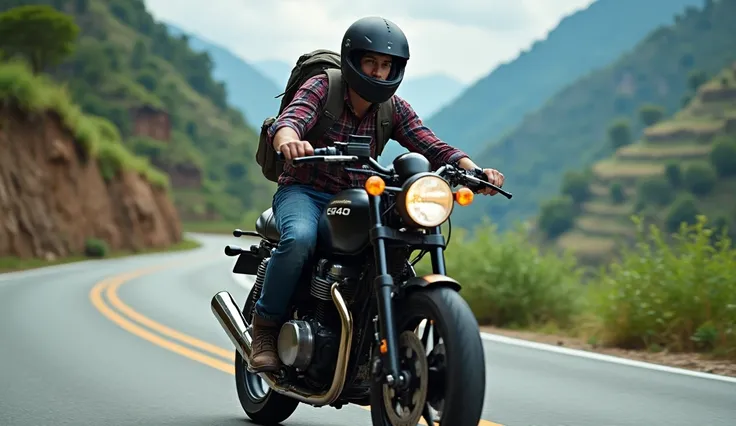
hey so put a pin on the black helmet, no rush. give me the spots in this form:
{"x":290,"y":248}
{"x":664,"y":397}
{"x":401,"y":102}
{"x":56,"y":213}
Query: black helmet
{"x":379,"y":35}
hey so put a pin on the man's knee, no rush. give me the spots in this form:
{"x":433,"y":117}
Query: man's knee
{"x":299,"y":240}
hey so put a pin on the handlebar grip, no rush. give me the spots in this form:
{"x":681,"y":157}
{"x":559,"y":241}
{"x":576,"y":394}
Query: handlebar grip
{"x":330,"y":150}
{"x":478,"y":174}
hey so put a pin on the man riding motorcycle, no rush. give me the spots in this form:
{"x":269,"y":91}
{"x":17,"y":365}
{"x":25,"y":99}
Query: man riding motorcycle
{"x":374,"y":54}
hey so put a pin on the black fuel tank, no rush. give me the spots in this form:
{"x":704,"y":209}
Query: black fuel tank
{"x":345,"y":223}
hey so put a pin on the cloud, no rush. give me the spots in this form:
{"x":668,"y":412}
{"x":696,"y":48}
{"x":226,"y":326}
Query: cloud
{"x":462,"y":38}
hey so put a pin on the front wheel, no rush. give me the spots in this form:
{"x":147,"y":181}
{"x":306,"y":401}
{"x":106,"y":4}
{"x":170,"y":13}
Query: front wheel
{"x":447,"y":363}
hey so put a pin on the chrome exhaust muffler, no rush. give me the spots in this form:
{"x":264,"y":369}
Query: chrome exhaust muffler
{"x":228,"y":315}
{"x":231,"y":319}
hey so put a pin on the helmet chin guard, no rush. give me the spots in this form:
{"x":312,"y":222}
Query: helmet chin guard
{"x":378,"y":35}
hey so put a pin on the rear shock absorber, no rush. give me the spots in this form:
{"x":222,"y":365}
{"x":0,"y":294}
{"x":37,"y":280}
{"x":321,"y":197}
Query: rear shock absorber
{"x":258,"y":285}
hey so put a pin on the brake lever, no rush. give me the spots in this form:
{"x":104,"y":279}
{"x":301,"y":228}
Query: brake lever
{"x":481,"y":179}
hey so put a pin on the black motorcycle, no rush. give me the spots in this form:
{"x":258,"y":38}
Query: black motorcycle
{"x":354,"y":332}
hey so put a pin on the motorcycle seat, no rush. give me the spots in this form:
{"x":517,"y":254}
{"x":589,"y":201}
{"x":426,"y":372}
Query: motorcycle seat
{"x":266,"y":226}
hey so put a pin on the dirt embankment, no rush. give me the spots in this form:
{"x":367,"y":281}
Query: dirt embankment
{"x":53,"y":198}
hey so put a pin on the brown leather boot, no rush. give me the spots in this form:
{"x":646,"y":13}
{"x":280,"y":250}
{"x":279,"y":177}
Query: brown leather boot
{"x":264,"y":356}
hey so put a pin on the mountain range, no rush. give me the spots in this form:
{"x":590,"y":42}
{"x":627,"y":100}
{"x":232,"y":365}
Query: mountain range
{"x":253,"y":85}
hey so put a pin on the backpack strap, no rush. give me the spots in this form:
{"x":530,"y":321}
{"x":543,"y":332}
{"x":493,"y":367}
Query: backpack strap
{"x":384,"y":125}
{"x":333,"y":106}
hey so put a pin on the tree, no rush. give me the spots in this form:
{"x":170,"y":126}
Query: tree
{"x":140,"y":53}
{"x":577,"y":186}
{"x":695,"y":79}
{"x":40,"y":34}
{"x":650,"y":114}
{"x":701,"y":178}
{"x":684,"y":209}
{"x":556,"y":216}
{"x":617,"y":193}
{"x":619,"y":133}
{"x":673,"y":172}
{"x":723,"y":156}
{"x":654,"y":190}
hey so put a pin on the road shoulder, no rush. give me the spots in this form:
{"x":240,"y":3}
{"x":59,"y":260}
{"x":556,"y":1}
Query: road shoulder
{"x":688,"y":361}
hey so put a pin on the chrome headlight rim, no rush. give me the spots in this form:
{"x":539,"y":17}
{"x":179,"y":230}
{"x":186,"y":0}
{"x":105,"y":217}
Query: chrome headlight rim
{"x":404,"y":208}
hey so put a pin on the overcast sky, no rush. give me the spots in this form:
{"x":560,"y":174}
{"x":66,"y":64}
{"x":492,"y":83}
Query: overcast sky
{"x":466,"y":40}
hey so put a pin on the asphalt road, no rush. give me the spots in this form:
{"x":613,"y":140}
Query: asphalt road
{"x":81,"y":344}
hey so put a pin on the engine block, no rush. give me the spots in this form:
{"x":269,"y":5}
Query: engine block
{"x":309,"y":347}
{"x":325,"y":275}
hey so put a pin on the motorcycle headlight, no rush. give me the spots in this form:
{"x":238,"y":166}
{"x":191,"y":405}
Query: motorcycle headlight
{"x":428,"y":201}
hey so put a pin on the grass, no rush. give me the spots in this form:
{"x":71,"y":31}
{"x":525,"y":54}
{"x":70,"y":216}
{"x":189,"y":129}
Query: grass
{"x":604,"y":208}
{"x":671,"y":129}
{"x":97,"y":137}
{"x":603,"y":226}
{"x":10,"y":264}
{"x":602,"y":191}
{"x":677,"y":297}
{"x":642,"y":152}
{"x":586,"y":248}
{"x":609,"y":170}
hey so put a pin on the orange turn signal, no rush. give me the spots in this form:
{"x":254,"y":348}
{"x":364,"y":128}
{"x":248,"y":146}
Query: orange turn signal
{"x":375,"y":185}
{"x":464,"y":196}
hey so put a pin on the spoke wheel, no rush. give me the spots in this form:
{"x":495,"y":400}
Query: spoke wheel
{"x":404,"y":408}
{"x":452,"y":351}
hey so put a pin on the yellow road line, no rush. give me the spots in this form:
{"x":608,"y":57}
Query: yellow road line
{"x":99,"y":304}
{"x":111,"y":285}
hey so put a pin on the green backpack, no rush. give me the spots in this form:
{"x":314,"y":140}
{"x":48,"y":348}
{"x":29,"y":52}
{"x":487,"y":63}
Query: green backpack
{"x":307,"y":66}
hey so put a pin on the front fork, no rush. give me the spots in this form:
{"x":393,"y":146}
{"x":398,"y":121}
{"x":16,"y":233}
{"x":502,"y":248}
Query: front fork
{"x":386,"y":334}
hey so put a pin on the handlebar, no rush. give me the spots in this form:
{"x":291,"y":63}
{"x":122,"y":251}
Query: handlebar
{"x":344,"y":152}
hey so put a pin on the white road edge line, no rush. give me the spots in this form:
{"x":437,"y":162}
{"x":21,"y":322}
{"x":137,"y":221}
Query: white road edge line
{"x":246,"y":282}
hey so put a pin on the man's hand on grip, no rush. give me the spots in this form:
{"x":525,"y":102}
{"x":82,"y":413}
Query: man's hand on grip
{"x":295,"y":149}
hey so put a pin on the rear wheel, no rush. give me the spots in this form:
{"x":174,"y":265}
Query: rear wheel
{"x":260,"y":403}
{"x":440,"y":345}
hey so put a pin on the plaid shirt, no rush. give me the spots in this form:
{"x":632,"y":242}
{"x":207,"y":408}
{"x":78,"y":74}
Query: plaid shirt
{"x":303,"y":112}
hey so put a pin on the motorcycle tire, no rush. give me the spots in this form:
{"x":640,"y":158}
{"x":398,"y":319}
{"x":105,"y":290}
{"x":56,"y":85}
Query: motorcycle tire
{"x":269,"y":409}
{"x":465,"y":371}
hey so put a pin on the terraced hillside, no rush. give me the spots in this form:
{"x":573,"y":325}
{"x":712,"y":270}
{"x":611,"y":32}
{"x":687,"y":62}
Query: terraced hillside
{"x":683,"y":165}
{"x":570,"y":130}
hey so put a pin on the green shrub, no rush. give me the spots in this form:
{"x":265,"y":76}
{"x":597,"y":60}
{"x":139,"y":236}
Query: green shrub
{"x":673,"y":172}
{"x":683,"y":210}
{"x":507,"y":281}
{"x":96,"y":248}
{"x":723,"y":156}
{"x":618,"y":195}
{"x":700,"y":178}
{"x":650,"y":114}
{"x":557,"y":215}
{"x":654,"y":190}
{"x":577,"y":186}
{"x":680,"y":296}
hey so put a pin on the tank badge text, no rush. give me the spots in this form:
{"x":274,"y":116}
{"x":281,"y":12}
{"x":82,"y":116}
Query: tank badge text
{"x":343,"y":211}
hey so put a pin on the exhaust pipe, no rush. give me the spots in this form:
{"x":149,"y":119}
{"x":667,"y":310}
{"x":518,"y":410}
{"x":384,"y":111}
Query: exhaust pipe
{"x":232,"y":321}
{"x":228,"y":315}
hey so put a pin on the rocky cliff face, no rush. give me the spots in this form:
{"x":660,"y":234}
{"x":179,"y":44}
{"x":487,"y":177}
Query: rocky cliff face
{"x":52,"y":199}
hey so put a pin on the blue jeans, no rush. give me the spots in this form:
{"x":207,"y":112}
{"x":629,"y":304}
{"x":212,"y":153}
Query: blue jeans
{"x":296,"y":210}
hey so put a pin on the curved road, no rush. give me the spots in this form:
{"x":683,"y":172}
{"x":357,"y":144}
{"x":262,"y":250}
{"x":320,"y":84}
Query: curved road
{"x":133,"y":341}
